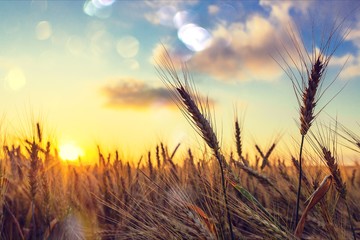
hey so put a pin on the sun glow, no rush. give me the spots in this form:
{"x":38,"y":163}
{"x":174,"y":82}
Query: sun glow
{"x":70,"y":151}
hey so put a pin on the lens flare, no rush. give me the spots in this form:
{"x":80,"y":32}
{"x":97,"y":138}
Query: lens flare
{"x":128,"y":46}
{"x":101,"y":42}
{"x":227,"y":13}
{"x":75,"y":45}
{"x":194,"y":37}
{"x":182,"y":18}
{"x":15,"y":79}
{"x":98,"y":8}
{"x":106,"y":2}
{"x":43,"y":30}
{"x":132,"y":64}
{"x":165,"y":15}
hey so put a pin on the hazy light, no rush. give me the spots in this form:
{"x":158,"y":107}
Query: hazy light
{"x":101,"y":42}
{"x":128,"y":46}
{"x":178,"y":136}
{"x":59,"y":37}
{"x":70,"y":151}
{"x":182,"y":18}
{"x":132,"y":64}
{"x":166,"y":15}
{"x":226,"y":13}
{"x":103,"y":3}
{"x":75,"y":45}
{"x":15,"y":79}
{"x":43,"y":30}
{"x":103,"y":12}
{"x":89,"y":8}
{"x":98,"y":8}
{"x":194,"y":37}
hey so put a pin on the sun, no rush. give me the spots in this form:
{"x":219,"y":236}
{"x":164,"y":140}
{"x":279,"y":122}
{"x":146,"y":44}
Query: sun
{"x":70,"y":151}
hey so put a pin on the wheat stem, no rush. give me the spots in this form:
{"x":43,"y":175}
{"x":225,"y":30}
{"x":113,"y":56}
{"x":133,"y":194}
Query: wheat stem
{"x":196,"y":112}
{"x":299,"y":186}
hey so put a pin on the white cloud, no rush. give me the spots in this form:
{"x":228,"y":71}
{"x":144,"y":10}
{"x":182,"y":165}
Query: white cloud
{"x":352,"y":70}
{"x":350,"y":64}
{"x":280,"y":10}
{"x":163,"y":12}
{"x":351,"y":60}
{"x":243,"y":51}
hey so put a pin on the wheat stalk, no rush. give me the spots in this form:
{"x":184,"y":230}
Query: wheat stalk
{"x":325,"y":143}
{"x":195,"y":111}
{"x":308,"y":79}
{"x":264,"y":180}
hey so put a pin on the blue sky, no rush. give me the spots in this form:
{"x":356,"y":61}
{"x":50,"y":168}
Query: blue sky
{"x":87,"y":67}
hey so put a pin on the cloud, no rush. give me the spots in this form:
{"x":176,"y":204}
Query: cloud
{"x":279,"y":11}
{"x":344,"y":15}
{"x":132,"y":93}
{"x":244,"y":50}
{"x":351,"y":69}
{"x":159,"y":13}
{"x":350,"y":64}
{"x":234,"y":55}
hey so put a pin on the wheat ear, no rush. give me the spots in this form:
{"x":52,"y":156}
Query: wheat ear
{"x":195,"y":111}
{"x":308,"y":79}
{"x":325,"y":143}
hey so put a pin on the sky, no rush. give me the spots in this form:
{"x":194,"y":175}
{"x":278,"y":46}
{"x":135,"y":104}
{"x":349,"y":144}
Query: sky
{"x":86,"y":69}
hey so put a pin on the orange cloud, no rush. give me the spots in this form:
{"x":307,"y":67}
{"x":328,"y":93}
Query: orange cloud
{"x":132,"y":93}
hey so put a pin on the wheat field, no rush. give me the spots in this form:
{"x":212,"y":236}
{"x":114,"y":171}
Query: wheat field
{"x":43,"y":197}
{"x":183,"y":193}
